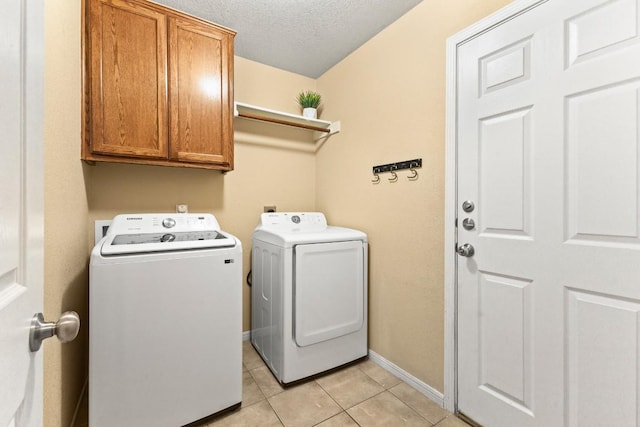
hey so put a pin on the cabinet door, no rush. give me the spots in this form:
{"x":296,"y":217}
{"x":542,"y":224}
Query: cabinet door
{"x":128,"y":79}
{"x":200,"y":61}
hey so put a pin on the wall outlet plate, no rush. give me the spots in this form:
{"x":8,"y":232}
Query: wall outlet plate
{"x":182,"y":208}
{"x":100,"y":230}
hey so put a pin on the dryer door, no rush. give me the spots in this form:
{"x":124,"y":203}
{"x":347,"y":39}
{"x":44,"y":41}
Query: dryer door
{"x":328,"y":291}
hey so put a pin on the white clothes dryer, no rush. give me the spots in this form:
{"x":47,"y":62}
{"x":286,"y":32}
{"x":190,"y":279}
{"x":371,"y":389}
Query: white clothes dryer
{"x":309,"y":294}
{"x":165,"y":319}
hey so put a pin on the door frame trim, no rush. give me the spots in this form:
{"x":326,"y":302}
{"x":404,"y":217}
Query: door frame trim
{"x":518,"y":7}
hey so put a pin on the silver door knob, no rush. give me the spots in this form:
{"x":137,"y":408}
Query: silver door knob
{"x":66,"y":329}
{"x":466,"y":250}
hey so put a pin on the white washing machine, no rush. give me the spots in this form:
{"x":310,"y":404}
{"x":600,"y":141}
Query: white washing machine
{"x":309,"y":294}
{"x":165,"y":319}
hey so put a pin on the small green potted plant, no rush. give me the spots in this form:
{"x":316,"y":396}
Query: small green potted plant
{"x":309,"y":102}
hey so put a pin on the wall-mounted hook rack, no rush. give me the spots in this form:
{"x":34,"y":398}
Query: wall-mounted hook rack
{"x":394,"y":167}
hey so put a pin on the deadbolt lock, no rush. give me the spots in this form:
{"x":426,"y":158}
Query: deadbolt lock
{"x":468,"y":206}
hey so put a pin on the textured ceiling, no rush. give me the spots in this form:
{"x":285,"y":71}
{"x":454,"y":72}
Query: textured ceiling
{"x":303,"y":36}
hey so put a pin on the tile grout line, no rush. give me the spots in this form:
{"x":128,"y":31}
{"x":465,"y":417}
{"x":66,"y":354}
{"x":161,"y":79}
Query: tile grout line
{"x":336,"y":402}
{"x":274,"y":411}
{"x":416,"y":409}
{"x":344,"y":410}
{"x":401,"y":381}
{"x":397,"y":397}
{"x":376,"y":381}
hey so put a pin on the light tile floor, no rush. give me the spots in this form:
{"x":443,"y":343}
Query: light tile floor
{"x":363,"y":394}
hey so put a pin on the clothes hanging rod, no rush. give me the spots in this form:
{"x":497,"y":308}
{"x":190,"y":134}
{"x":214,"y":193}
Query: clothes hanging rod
{"x":282,"y":122}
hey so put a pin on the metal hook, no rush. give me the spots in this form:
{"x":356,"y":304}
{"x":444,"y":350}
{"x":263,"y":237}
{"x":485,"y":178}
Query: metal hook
{"x":376,"y":180}
{"x":414,"y":176}
{"x":394,"y":178}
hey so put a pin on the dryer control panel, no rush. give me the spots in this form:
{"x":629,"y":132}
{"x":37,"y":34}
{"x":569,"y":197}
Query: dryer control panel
{"x":293,"y":221}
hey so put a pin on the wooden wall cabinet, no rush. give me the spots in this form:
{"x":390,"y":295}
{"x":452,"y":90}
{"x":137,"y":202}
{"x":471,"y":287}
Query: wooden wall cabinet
{"x":158,"y":87}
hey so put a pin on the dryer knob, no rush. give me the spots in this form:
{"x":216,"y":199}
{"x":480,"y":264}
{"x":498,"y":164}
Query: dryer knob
{"x":168,"y":222}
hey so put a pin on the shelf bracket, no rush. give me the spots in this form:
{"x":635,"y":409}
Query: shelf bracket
{"x":334,"y":128}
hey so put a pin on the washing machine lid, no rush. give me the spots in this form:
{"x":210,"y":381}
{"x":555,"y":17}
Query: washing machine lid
{"x":144,"y":233}
{"x":292,"y":228}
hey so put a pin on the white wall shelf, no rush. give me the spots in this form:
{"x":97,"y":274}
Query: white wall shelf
{"x":253,"y":112}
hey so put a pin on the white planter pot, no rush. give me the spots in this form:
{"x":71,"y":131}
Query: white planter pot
{"x":310,"y":113}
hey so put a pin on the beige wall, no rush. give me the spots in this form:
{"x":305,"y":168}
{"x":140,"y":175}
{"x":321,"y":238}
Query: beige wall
{"x":390,"y":97}
{"x":391,"y":77}
{"x":66,"y":210}
{"x":77,"y":194}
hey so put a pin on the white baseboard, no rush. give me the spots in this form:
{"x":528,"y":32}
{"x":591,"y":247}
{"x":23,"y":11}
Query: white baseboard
{"x":419,"y":385}
{"x":246,"y":335}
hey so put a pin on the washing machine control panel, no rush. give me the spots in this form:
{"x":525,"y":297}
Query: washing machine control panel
{"x":163,"y":232}
{"x":293,"y":221}
{"x":158,"y":223}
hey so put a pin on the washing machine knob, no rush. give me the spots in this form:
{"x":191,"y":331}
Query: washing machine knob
{"x":168,"y":237}
{"x":168,"y":222}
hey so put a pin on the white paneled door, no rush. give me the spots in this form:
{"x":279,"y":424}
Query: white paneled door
{"x":21,"y":222}
{"x":548,"y":113}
